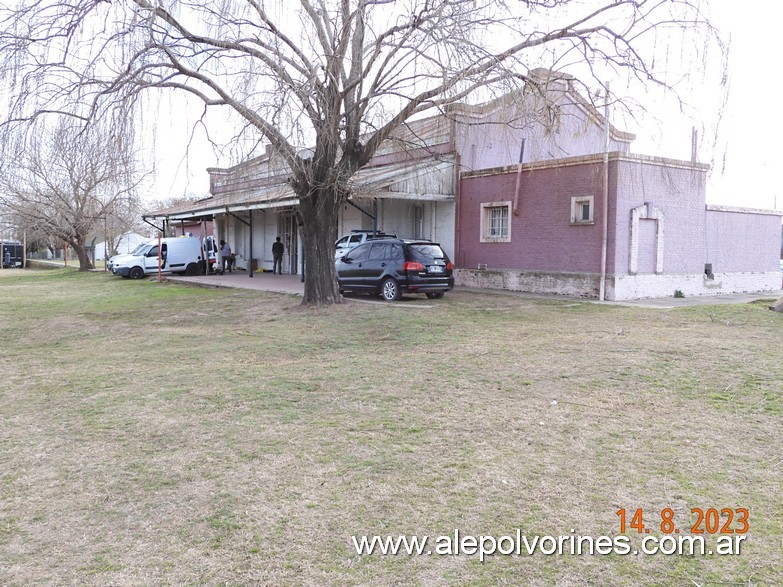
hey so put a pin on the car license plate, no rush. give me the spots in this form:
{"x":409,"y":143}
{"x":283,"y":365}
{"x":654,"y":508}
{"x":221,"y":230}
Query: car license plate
{"x":436,"y":269}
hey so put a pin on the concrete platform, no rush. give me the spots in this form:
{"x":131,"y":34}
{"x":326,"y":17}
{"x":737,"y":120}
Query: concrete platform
{"x":292,"y":284}
{"x":661,"y":303}
{"x":261,"y":281}
{"x":673,"y":302}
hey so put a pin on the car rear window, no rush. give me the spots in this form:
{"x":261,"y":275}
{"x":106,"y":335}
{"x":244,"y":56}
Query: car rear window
{"x":424,"y":252}
{"x":385,"y":251}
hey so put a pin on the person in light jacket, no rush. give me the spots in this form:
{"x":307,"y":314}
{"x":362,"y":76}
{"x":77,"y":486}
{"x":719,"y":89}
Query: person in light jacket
{"x":225,"y":254}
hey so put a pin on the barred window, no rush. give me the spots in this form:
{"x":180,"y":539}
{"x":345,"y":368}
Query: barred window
{"x":496,"y":222}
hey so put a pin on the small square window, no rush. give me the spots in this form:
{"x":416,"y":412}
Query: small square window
{"x":582,"y":210}
{"x":496,"y":222}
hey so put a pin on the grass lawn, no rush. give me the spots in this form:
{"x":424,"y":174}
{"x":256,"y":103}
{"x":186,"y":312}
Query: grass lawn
{"x":166,"y":435}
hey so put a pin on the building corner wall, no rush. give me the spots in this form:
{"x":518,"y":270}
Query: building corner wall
{"x":636,"y":287}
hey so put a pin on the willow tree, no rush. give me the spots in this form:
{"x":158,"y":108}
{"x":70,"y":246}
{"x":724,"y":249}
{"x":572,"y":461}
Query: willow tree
{"x":335,"y":76}
{"x":64,"y":182}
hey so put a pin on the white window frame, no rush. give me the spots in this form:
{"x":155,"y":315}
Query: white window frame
{"x":577,"y":203}
{"x":486,"y":208}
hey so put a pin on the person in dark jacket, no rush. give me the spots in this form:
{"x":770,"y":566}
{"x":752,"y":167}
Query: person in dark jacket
{"x":277,"y":257}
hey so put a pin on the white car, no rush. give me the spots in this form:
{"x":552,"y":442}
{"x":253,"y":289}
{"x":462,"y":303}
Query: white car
{"x":357,"y":237}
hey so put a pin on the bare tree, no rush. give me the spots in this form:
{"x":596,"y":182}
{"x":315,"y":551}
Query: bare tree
{"x":122,"y":217}
{"x":338,"y":76}
{"x":65,"y":181}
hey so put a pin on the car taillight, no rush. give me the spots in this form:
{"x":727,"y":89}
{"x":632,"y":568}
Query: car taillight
{"x":449,"y":266}
{"x":412,"y":266}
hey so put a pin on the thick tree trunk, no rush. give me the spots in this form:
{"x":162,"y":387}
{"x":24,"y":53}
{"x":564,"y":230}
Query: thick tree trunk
{"x":85,"y":263}
{"x":319,"y":232}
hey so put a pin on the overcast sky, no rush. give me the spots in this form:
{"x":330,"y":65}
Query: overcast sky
{"x":746,"y":149}
{"x":743,"y":144}
{"x":752,"y":127}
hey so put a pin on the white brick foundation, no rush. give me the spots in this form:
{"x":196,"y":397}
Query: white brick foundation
{"x":634,"y":287}
{"x":622,"y":287}
{"x":569,"y":284}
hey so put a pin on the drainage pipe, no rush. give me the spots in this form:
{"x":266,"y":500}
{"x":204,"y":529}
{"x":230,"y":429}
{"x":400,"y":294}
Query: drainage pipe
{"x":605,"y":203}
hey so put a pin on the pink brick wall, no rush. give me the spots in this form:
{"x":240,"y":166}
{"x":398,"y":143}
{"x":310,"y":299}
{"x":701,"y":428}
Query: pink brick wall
{"x":542,"y":238}
{"x":193,"y":227}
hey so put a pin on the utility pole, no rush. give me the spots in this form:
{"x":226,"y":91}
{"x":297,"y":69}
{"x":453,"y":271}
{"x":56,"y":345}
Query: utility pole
{"x":105,"y":245}
{"x":605,"y":206}
{"x":694,"y":144}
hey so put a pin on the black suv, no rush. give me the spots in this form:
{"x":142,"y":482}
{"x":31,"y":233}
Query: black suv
{"x":392,"y":266}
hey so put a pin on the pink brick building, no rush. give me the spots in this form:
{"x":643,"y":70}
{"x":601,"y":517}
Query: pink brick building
{"x":530,"y":213}
{"x":661,"y":235}
{"x":518,"y":204}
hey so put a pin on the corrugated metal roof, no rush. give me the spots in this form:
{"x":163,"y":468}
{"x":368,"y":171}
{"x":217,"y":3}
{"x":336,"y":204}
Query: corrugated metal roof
{"x":426,"y":179}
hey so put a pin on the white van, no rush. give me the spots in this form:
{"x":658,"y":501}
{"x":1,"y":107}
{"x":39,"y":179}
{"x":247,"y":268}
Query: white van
{"x":212,"y":252}
{"x":178,"y":255}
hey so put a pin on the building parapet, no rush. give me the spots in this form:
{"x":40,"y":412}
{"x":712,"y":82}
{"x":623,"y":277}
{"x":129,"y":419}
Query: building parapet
{"x":595,"y":158}
{"x":741,"y":210}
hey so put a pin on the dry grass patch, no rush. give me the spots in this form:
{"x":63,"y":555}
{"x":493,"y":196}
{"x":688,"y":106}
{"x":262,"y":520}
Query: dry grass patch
{"x":158,"y":434}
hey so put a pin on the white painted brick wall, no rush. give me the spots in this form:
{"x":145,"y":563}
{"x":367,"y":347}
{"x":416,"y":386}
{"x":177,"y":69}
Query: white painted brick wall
{"x":625,"y":287}
{"x":444,"y":220}
{"x":634,"y":287}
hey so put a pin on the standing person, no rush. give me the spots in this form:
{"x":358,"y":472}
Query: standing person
{"x":277,"y":256}
{"x":225,"y":255}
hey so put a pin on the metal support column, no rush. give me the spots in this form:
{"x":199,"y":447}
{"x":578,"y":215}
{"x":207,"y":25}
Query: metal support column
{"x":250,"y":261}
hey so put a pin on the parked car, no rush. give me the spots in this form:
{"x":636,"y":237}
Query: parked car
{"x":11,"y":254}
{"x":178,"y":255}
{"x":391,"y":267}
{"x":356,"y":238}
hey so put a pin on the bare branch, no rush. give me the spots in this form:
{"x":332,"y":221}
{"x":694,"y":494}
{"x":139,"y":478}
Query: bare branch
{"x":66,"y":180}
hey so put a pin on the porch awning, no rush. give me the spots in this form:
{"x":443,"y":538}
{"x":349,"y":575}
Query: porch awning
{"x":430,"y":179}
{"x":274,"y":196}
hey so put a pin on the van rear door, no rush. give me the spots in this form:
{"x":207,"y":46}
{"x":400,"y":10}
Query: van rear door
{"x":180,"y":253}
